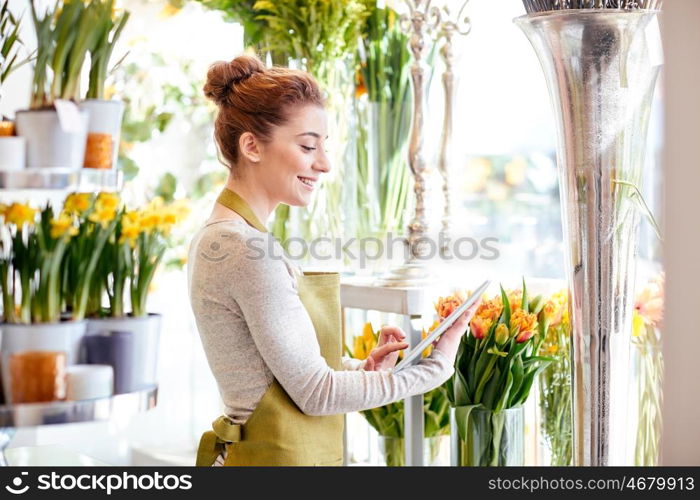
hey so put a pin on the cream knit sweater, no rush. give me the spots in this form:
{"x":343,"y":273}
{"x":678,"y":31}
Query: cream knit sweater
{"x":254,"y":329}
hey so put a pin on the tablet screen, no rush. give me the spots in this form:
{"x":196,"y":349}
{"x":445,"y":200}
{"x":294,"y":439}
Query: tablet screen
{"x":444,"y":325}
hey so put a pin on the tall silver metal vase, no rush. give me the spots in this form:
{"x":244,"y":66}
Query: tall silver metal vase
{"x":601,"y":66}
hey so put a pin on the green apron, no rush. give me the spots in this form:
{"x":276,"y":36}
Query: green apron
{"x":277,"y":432}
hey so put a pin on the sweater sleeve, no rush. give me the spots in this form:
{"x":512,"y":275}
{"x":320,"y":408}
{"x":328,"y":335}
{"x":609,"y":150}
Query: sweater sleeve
{"x":352,"y":363}
{"x":284,"y":335}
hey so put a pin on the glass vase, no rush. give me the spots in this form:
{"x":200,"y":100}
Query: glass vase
{"x":647,"y":370}
{"x":393,"y":451}
{"x":601,"y":67}
{"x":556,"y":424}
{"x":487,"y":438}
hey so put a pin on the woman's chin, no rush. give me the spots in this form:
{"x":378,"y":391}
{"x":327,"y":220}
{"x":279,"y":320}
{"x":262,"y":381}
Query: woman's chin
{"x":299,"y":201}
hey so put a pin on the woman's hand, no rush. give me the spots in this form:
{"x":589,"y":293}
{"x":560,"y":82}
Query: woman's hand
{"x":391,"y":341}
{"x":448,"y":342}
{"x":384,"y":356}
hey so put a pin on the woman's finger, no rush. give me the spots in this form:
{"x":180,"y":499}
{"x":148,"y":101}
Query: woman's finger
{"x":390,"y":333}
{"x":369,"y":364}
{"x":386,"y":349}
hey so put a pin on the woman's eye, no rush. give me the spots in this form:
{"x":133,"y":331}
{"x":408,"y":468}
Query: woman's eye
{"x":307,"y":148}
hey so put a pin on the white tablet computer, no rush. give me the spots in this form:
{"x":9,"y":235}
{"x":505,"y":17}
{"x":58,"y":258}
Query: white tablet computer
{"x":444,"y":325}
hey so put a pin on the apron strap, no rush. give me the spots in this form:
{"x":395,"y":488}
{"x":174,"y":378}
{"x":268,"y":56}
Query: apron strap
{"x":234,"y":201}
{"x":213,"y":443}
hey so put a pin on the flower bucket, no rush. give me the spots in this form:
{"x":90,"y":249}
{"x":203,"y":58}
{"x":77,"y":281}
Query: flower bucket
{"x":141,"y":352}
{"x":48,"y":145}
{"x":486,"y":438}
{"x":13,"y":153}
{"x":65,"y":336}
{"x":105,"y":119}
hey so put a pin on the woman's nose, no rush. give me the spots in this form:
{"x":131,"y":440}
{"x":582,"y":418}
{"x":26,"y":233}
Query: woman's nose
{"x":322,"y":162}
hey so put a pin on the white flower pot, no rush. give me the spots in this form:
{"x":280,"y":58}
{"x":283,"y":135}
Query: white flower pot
{"x":65,"y":336}
{"x":48,"y":145}
{"x":105,"y":118}
{"x":13,"y":153}
{"x":146,"y":337}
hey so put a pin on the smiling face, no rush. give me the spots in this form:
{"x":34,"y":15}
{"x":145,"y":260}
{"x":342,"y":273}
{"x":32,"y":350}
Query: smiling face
{"x":293,"y":161}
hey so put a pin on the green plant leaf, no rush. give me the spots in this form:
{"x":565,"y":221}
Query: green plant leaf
{"x":505,"y":316}
{"x":462,"y":415}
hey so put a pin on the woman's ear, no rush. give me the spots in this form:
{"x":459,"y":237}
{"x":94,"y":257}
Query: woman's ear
{"x":249,"y":147}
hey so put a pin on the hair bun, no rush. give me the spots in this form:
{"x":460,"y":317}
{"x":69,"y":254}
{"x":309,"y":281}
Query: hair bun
{"x":223,"y":76}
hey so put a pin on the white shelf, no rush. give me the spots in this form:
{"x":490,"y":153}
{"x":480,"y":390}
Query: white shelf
{"x":70,"y":412}
{"x":61,"y":179}
{"x":359,"y":293}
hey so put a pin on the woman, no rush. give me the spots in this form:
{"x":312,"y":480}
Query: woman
{"x":271,"y":333}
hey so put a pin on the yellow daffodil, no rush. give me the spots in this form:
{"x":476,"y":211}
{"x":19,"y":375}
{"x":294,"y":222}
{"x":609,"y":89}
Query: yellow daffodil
{"x":132,"y":218}
{"x":168,"y":218}
{"x":63,"y":226}
{"x":77,"y":203}
{"x":181,"y":208}
{"x":103,"y":215}
{"x":424,"y":334}
{"x":149,"y":220}
{"x":131,"y":228}
{"x":638,"y":324}
{"x":155,"y":204}
{"x":551,"y":349}
{"x":19,"y":214}
{"x":107,"y":201}
{"x":3,"y":209}
{"x":364,"y":344}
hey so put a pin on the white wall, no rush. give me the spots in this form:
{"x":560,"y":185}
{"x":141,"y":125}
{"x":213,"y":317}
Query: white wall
{"x":681,"y":409}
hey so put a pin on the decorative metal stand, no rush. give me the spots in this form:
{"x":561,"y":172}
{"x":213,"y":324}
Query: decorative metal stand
{"x":601,"y":67}
{"x":421,"y":18}
{"x":425,"y":18}
{"x":449,"y":27}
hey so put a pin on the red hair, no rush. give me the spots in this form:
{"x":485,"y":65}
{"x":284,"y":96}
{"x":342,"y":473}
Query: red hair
{"x":253,"y":98}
